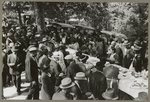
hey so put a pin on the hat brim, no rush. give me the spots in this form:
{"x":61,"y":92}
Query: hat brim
{"x":15,"y":50}
{"x":126,"y":44}
{"x":45,"y":41}
{"x":68,"y":58}
{"x":76,"y":78}
{"x":62,"y":87}
{"x":109,"y":98}
{"x":33,"y":50}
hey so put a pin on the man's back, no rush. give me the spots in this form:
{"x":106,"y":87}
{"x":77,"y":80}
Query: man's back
{"x":97,"y":83}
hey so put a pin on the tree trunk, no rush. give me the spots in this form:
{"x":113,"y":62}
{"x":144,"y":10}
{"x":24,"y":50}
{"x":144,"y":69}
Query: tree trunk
{"x":19,"y":14}
{"x":39,"y":12}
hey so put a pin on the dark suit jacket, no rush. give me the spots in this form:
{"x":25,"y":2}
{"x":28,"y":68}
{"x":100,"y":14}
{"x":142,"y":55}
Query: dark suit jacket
{"x":47,"y":89}
{"x":97,"y":84}
{"x":79,"y":92}
{"x":137,"y":63}
{"x":31,"y":69}
{"x":72,"y":69}
{"x":120,"y":55}
{"x":62,"y":96}
{"x":127,"y":59}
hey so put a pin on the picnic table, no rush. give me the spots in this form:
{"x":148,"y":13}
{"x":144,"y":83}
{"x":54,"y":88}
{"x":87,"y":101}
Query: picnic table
{"x":131,"y":84}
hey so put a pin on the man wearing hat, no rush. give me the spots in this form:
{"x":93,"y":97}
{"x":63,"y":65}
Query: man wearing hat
{"x":97,"y":81}
{"x":47,"y":43}
{"x":119,"y":52}
{"x":81,"y":86}
{"x":109,"y":94}
{"x":47,"y":77}
{"x":9,"y":40}
{"x":81,"y":60}
{"x":137,"y":59}
{"x":16,"y":63}
{"x":128,"y":55}
{"x":65,"y":93}
{"x":5,"y":73}
{"x":31,"y":68}
{"x":72,"y":68}
{"x":111,"y":73}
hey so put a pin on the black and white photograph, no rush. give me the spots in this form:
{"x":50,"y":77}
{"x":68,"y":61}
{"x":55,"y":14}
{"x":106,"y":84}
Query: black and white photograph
{"x":74,"y":50}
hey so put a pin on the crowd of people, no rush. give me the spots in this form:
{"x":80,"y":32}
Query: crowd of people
{"x":56,"y":74}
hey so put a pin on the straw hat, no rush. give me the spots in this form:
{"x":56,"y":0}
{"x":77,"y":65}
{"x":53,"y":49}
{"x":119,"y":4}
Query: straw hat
{"x":109,"y":94}
{"x":17,"y":28}
{"x":66,"y":83}
{"x":142,"y":96}
{"x":68,"y":57}
{"x":126,"y":43}
{"x":32,"y":48}
{"x":80,"y":76}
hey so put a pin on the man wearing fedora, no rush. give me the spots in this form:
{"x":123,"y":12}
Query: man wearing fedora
{"x":65,"y":92}
{"x":31,"y":68}
{"x":16,"y":63}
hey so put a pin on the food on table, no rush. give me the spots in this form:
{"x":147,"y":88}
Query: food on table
{"x":138,"y":85}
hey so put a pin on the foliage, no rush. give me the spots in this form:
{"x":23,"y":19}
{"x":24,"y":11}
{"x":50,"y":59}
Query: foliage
{"x":130,"y":19}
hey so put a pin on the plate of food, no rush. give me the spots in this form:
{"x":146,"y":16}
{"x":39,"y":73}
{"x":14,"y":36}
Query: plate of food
{"x":139,"y":85}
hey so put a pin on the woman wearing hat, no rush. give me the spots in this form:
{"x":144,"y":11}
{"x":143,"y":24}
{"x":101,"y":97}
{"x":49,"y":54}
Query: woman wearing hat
{"x":65,"y":93}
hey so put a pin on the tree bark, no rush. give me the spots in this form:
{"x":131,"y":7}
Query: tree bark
{"x":39,"y":12}
{"x":19,"y":13}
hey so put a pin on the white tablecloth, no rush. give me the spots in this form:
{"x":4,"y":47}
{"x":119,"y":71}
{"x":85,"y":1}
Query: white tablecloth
{"x":125,"y":84}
